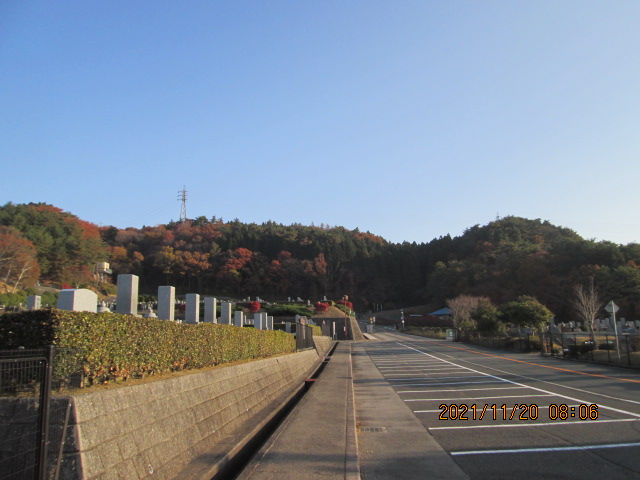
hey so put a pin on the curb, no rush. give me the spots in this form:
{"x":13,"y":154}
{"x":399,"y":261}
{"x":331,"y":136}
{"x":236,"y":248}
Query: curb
{"x":352,"y":458}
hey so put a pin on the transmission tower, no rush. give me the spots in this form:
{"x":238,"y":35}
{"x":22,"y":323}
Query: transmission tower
{"x":182,"y":197}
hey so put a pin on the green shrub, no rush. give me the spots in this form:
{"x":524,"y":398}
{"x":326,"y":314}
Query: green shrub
{"x":112,"y":346}
{"x":11,"y":299}
{"x":289,"y":310}
{"x":345,"y":309}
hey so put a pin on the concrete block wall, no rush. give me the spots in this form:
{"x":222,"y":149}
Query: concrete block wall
{"x":178,"y":427}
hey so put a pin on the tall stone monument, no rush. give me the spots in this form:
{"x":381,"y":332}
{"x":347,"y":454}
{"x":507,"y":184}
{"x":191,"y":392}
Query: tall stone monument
{"x":127,"y":302}
{"x":225,"y":313}
{"x":34,"y":302}
{"x":210,"y":313}
{"x":257,"y":321}
{"x":167,"y":303}
{"x":192,"y":312}
{"x":238,"y":319}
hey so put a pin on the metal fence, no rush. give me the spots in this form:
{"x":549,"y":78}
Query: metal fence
{"x":522,"y":343}
{"x":35,"y":412}
{"x":25,"y":379}
{"x":595,"y":347}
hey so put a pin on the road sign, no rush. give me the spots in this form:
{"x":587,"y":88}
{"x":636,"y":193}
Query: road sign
{"x":611,"y":307}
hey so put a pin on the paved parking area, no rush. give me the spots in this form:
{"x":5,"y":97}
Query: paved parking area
{"x":505,"y":415}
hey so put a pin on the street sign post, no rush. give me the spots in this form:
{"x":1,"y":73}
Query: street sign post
{"x":612,"y":308}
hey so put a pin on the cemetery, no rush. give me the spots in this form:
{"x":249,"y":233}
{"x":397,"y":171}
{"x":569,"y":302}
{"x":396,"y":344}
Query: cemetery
{"x":161,"y":428}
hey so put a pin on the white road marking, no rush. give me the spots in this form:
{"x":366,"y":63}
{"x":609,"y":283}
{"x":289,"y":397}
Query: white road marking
{"x":531,"y":423}
{"x":545,"y":449}
{"x":577,"y":400}
{"x":546,"y":381}
{"x":433,"y":378}
{"x":462,"y":389}
{"x":472,"y":398}
{"x":447,"y":383}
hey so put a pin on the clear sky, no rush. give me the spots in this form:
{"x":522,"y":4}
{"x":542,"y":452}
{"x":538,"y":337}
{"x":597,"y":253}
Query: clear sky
{"x":408,"y":119}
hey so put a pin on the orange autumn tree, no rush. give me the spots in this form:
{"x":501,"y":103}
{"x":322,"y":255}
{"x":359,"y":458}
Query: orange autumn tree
{"x":18,"y":259}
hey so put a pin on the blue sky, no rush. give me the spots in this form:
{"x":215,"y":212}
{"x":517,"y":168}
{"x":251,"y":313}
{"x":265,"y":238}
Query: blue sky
{"x":408,"y":119}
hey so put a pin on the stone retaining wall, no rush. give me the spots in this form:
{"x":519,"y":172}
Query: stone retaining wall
{"x":322,"y":344}
{"x":178,"y":427}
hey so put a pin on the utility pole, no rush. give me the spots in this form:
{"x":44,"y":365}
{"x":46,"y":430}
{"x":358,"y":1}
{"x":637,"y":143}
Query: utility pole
{"x":182,"y":197}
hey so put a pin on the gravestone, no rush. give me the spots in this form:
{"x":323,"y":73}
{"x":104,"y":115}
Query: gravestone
{"x":78,"y":300}
{"x":34,"y":302}
{"x":210,"y":313}
{"x":238,"y":319}
{"x":287,"y":327}
{"x":192,"y":312}
{"x":167,"y":303}
{"x":257,"y":321}
{"x":269,"y":323}
{"x":225,"y":313}
{"x":127,"y":302}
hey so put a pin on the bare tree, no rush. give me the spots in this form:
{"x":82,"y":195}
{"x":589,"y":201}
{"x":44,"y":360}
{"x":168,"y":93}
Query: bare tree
{"x":461,"y":308}
{"x":587,"y":303}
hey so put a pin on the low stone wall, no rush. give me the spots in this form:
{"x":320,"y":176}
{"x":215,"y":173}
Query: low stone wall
{"x":322,"y":344}
{"x":178,"y":427}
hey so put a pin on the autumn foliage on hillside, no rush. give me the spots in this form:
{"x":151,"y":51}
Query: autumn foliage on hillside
{"x":66,"y":247}
{"x":501,"y":261}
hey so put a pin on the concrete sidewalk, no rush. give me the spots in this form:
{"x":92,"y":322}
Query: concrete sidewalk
{"x":317,"y":440}
{"x":322,"y":439}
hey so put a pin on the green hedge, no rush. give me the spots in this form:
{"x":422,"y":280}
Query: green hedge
{"x":112,"y":346}
{"x":289,"y":310}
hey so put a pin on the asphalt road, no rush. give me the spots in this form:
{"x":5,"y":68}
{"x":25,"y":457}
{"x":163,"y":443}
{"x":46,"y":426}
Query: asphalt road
{"x":503,"y":415}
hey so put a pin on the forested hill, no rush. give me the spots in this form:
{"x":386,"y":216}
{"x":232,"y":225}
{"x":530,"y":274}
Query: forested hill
{"x":509,"y":257}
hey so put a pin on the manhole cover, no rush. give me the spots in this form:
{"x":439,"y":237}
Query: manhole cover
{"x":373,"y":429}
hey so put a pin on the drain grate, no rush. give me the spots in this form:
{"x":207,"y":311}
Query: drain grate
{"x":373,"y":429}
